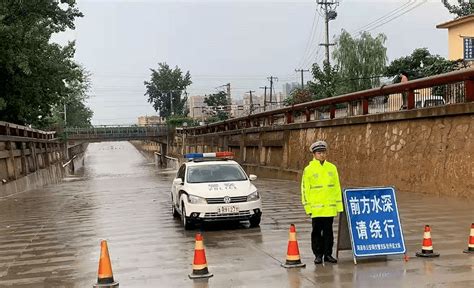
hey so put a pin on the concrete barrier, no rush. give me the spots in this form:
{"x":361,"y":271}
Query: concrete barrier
{"x":49,"y":175}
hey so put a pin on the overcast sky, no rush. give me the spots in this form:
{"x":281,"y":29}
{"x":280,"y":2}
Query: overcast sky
{"x":241,"y":42}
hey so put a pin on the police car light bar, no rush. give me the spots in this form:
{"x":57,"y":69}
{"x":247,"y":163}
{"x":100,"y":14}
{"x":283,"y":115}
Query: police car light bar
{"x":209,"y":155}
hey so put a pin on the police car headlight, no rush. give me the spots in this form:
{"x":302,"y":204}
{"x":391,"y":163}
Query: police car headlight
{"x":196,"y":199}
{"x":253,"y":197}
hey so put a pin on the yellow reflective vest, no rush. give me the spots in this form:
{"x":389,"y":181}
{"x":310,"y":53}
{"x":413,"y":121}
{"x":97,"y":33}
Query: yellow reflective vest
{"x":320,"y":189}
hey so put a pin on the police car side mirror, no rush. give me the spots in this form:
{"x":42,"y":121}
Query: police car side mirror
{"x":252,"y":177}
{"x":178,"y":181}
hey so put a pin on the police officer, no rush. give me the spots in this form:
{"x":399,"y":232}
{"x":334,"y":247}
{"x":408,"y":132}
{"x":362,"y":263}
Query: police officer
{"x":322,"y":200}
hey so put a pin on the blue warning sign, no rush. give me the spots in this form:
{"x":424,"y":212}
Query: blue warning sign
{"x":374,"y":222}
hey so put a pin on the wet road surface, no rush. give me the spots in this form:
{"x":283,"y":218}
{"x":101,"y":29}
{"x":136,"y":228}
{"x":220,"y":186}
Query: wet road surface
{"x":51,"y":237}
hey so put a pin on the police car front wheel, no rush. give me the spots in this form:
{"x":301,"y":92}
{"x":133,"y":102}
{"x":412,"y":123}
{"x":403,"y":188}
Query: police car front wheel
{"x":187,"y":224}
{"x":255,"y":220}
{"x":173,"y":209}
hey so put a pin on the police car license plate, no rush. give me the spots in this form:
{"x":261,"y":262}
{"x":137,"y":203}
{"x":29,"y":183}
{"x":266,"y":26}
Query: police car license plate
{"x":227,"y":209}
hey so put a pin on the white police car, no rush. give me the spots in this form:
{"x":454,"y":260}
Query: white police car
{"x":210,"y":188}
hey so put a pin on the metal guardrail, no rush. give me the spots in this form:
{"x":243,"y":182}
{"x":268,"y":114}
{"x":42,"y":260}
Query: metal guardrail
{"x":444,"y":89}
{"x":14,"y":132}
{"x":70,"y":161}
{"x":24,"y":150}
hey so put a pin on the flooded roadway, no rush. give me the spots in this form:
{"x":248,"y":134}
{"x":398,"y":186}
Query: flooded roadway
{"x":51,"y":237}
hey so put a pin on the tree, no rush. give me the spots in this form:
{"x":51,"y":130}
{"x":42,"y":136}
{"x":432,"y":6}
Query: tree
{"x":77,"y":113}
{"x":179,"y":120}
{"x":219,"y":105}
{"x":168,"y":84}
{"x":361,"y":60}
{"x":35,"y":74}
{"x":463,"y":9}
{"x":326,"y":82}
{"x":421,"y":63}
{"x":298,"y":96}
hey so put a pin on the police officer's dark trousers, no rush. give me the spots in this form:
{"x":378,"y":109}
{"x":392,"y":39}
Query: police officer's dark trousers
{"x":322,"y":238}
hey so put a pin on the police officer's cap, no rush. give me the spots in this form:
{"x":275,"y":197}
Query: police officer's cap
{"x":318,"y":146}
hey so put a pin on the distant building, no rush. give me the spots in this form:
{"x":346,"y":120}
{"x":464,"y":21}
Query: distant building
{"x":280,"y":98}
{"x":195,"y":106}
{"x":460,"y":38}
{"x":288,"y":88}
{"x":237,"y":108}
{"x":150,"y":120}
{"x":256,"y":104}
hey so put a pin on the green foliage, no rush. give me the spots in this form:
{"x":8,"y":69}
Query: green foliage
{"x":179,"y":120}
{"x":218,"y":116}
{"x":36,"y":75}
{"x":166,"y":84}
{"x":217,"y":99}
{"x":421,"y":63}
{"x":219,"y":105}
{"x":298,"y":96}
{"x":463,"y":9}
{"x":359,"y":60}
{"x":77,"y":113}
{"x":326,"y":82}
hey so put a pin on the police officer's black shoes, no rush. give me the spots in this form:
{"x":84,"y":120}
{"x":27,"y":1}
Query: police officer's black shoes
{"x":329,"y":259}
{"x":318,"y":260}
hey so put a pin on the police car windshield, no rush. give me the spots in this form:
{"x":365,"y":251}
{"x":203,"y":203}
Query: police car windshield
{"x":215,"y":173}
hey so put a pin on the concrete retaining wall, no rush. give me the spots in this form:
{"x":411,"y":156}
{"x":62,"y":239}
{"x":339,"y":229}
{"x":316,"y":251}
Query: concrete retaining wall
{"x":50,"y":175}
{"x":30,"y":158}
{"x":427,"y":150}
{"x":76,"y":154}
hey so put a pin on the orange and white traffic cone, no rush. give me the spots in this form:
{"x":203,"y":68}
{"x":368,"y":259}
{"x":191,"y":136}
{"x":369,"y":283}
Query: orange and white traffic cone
{"x":105,"y":278}
{"x":200,"y":269}
{"x":293,"y":259}
{"x":427,"y":246}
{"x":470,"y":245}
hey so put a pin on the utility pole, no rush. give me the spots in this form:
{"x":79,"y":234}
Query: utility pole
{"x":302,"y":80}
{"x":271,"y":79}
{"x":65,"y":119}
{"x":171,"y":103}
{"x":251,"y":100}
{"x":329,"y":7}
{"x":229,"y":98}
{"x":264,"y":98}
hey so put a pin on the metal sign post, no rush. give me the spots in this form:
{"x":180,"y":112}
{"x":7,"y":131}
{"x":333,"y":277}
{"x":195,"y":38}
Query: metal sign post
{"x":343,"y":236}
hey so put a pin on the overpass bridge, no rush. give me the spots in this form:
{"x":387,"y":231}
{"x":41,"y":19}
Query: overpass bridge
{"x":161,"y":135}
{"x":116,"y":133}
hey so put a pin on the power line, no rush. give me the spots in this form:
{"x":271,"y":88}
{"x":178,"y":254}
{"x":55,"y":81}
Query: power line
{"x":302,"y":77}
{"x":315,"y":51}
{"x":193,"y":76}
{"x":380,"y":19}
{"x":390,"y":20}
{"x":307,"y":52}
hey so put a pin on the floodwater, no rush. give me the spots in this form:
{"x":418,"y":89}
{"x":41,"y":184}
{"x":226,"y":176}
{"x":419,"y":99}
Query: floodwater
{"x":50,"y":237}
